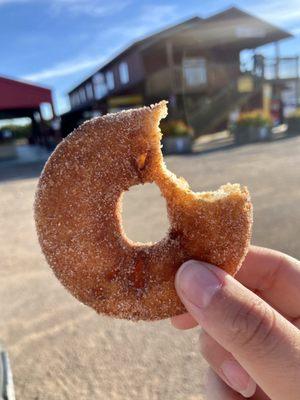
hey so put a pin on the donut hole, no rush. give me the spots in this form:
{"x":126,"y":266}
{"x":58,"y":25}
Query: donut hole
{"x":144,"y":215}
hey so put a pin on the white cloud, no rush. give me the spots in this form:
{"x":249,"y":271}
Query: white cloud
{"x":5,"y":2}
{"x":94,"y":8}
{"x":277,"y":11}
{"x":64,"y":69}
{"x":281,"y":16}
{"x":155,"y":14}
{"x":149,"y":19}
{"x":296,"y":31}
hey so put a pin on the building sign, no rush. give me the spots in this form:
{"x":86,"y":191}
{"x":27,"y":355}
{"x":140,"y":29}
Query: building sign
{"x":245,"y":84}
{"x":125,"y":100}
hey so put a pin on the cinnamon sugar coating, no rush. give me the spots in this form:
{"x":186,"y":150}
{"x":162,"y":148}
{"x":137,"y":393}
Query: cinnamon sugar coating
{"x":78,"y":218}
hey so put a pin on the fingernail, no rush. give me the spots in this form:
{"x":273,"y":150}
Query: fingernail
{"x":238,"y":379}
{"x":196,"y":283}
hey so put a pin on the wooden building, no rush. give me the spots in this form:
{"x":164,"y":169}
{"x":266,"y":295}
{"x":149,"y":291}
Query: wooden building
{"x":195,"y":65}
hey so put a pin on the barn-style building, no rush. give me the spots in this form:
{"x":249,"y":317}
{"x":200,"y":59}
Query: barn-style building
{"x":195,"y":65}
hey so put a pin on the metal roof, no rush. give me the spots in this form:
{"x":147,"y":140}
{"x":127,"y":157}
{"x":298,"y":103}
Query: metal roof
{"x":17,"y":94}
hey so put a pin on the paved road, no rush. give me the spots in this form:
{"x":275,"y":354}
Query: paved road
{"x":62,"y":350}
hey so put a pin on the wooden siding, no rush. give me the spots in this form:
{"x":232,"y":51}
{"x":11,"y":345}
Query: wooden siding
{"x":135,"y":69}
{"x":222,"y":67}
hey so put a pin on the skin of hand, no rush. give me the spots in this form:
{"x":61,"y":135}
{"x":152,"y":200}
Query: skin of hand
{"x":250,"y":325}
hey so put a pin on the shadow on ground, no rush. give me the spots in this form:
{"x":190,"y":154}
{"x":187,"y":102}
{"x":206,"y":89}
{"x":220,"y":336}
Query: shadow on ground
{"x":228,"y":144}
{"x":28,"y":163}
{"x":20,"y":171}
{"x":11,"y":170}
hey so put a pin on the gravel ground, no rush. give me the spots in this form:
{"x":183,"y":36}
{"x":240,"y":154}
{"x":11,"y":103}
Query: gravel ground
{"x":60,"y":349}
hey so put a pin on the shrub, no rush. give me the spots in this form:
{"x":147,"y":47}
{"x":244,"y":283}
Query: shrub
{"x":19,"y":131}
{"x":256,"y":118}
{"x":175,"y":128}
{"x":295,"y":114}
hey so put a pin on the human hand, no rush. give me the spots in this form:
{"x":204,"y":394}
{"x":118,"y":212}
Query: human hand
{"x":251,"y":336}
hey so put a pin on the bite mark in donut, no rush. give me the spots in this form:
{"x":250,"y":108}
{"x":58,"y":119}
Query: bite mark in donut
{"x":78,"y":218}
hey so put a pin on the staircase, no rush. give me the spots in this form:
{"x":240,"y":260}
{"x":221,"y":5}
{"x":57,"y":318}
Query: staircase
{"x":208,"y":117}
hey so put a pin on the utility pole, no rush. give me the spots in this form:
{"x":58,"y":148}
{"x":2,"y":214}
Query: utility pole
{"x":170,"y":61}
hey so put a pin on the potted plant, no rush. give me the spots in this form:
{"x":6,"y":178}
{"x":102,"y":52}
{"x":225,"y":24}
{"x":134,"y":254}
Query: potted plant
{"x":293,"y":122}
{"x":177,"y":137}
{"x":252,"y":126}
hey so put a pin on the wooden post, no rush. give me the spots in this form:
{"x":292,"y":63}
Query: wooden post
{"x":298,"y":81}
{"x":35,"y":129}
{"x":170,"y":62}
{"x":253,"y":59}
{"x":277,"y":59}
{"x":42,"y":128}
{"x":52,"y":109}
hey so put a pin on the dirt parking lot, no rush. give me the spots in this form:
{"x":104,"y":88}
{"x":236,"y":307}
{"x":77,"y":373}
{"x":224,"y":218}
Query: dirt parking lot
{"x":60,"y":349}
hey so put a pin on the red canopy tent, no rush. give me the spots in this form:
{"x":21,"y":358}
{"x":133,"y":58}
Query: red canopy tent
{"x":23,"y":99}
{"x":15,"y":94}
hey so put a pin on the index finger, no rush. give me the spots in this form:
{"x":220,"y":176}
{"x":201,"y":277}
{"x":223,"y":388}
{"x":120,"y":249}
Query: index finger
{"x":275,"y":277}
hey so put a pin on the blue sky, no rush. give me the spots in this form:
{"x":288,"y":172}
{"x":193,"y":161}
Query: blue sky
{"x":58,"y":42}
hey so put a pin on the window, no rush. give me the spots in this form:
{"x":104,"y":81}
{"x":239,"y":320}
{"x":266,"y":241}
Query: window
{"x":124,"y":73}
{"x":194,"y":70}
{"x":82,"y":95}
{"x":89,"y":91}
{"x":74,"y":99}
{"x":100,"y":87}
{"x":110,"y":81}
{"x":46,"y":111}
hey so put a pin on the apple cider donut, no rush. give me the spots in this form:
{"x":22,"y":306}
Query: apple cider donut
{"x":78,"y":218}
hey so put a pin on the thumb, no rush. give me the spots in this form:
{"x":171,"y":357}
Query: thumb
{"x":264,"y":342}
